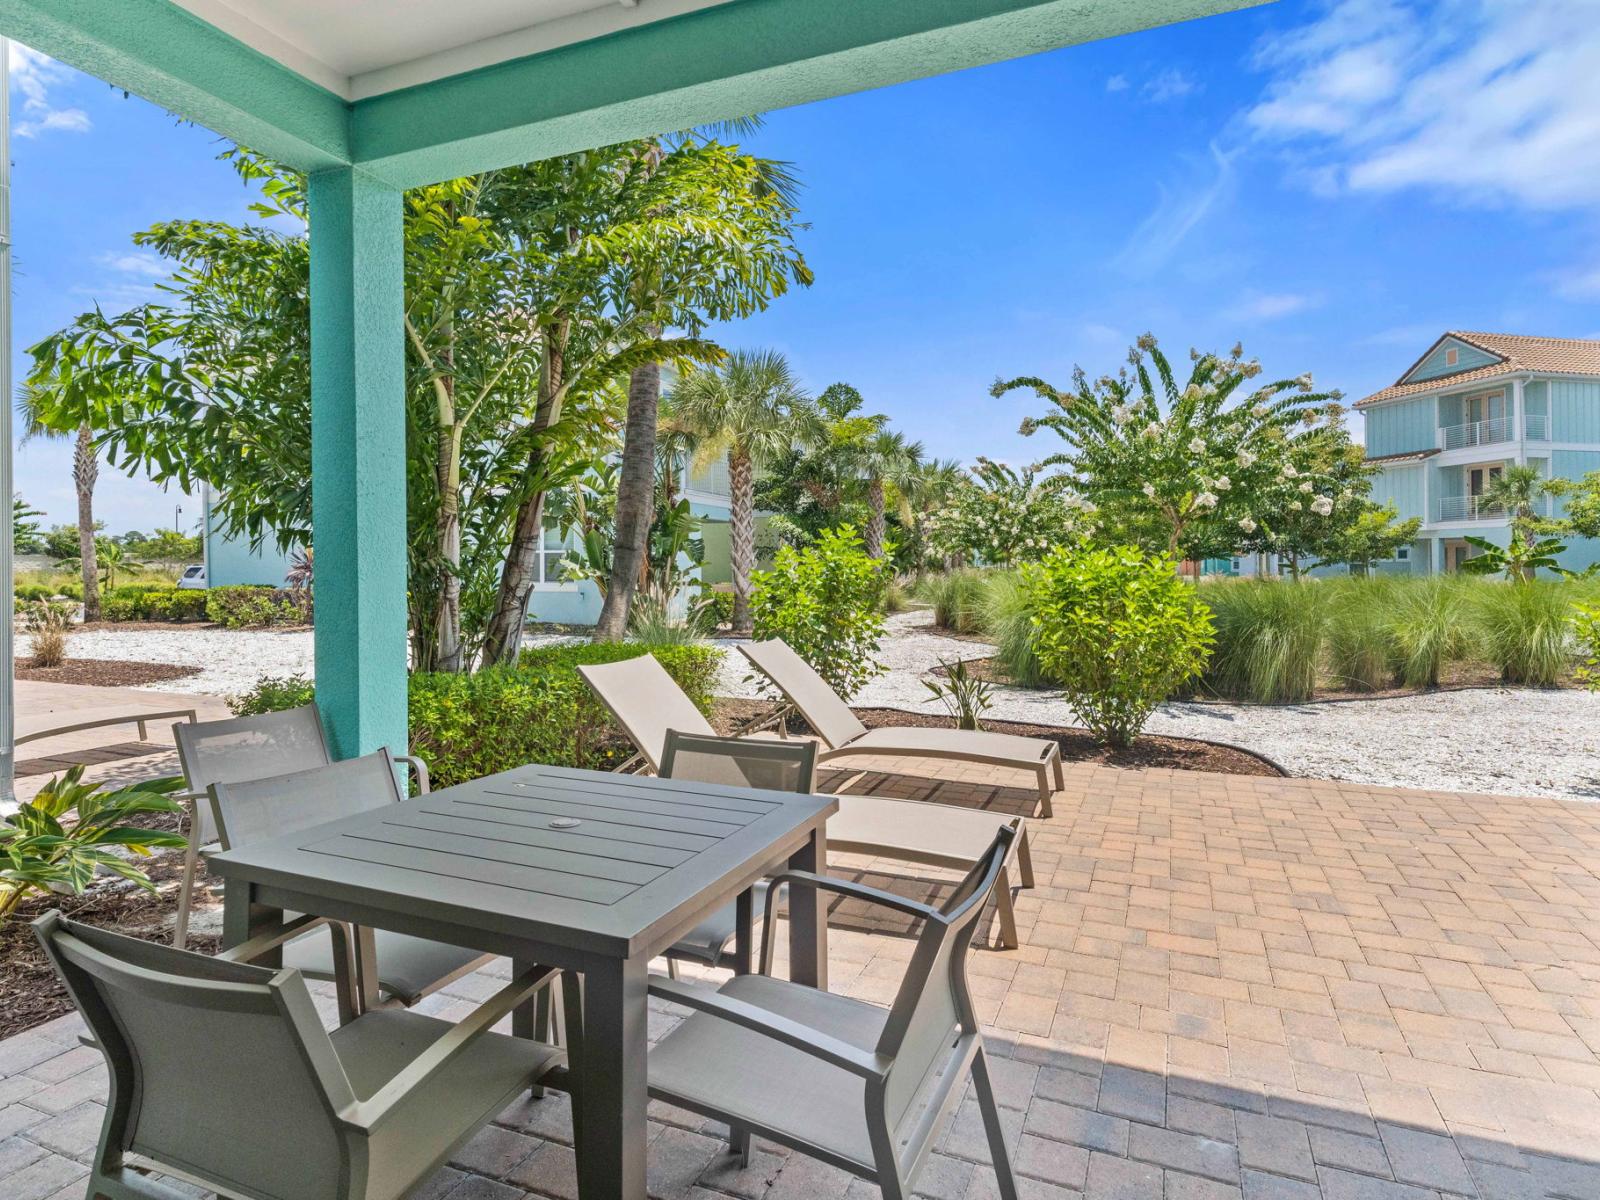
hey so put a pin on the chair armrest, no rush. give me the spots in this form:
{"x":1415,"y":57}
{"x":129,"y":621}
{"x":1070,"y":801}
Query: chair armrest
{"x":827,"y":883}
{"x":814,"y":1042}
{"x":257,"y":946}
{"x":420,"y":767}
{"x":368,"y":1114}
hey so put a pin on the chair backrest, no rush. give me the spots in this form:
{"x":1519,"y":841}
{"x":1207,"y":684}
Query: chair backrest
{"x":243,"y":748}
{"x":933,"y":1007}
{"x":818,"y":703}
{"x":219,"y":1069}
{"x":262,"y":808}
{"x":646,"y":702}
{"x":777,"y":766}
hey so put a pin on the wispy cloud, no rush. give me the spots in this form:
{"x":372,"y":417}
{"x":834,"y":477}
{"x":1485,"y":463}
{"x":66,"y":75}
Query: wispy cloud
{"x":1484,"y":102}
{"x":1270,"y":306}
{"x":1183,"y":205}
{"x":1117,"y":83}
{"x":136,"y":262}
{"x":1579,"y":283}
{"x":1171,"y":84}
{"x":33,"y":75}
{"x":130,"y":279}
{"x":1416,"y":334}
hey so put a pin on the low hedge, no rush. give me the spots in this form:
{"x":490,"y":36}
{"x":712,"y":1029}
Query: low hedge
{"x":154,"y":604}
{"x":253,"y":607}
{"x":539,"y":711}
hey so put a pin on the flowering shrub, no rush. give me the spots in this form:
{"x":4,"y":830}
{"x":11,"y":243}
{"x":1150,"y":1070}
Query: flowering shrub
{"x":1001,"y":516}
{"x":1120,"y":630}
{"x":1183,"y":468}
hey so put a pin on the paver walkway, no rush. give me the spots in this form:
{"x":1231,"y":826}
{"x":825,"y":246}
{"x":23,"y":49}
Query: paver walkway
{"x":1227,"y":986}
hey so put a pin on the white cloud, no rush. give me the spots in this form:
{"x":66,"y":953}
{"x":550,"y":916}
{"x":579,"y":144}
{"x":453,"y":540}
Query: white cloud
{"x":1181,"y":207}
{"x":32,"y":76}
{"x":136,"y":262}
{"x":1171,"y":84}
{"x":1117,"y":83}
{"x":1579,"y":283}
{"x":1269,"y":306}
{"x":1484,"y":102}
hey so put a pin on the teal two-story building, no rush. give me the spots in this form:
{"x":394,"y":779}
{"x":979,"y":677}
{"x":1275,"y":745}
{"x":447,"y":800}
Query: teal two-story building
{"x":1472,"y":405}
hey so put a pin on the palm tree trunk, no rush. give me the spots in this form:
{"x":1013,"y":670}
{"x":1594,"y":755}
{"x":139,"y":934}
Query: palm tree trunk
{"x":741,"y":535}
{"x":876,"y":522}
{"x":448,"y":650}
{"x":636,"y":493}
{"x":85,"y":470}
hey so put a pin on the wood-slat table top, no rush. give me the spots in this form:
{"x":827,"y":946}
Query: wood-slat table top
{"x":597,"y":861}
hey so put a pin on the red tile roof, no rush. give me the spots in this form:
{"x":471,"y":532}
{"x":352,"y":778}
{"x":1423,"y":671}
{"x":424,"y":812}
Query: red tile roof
{"x":1517,"y":352}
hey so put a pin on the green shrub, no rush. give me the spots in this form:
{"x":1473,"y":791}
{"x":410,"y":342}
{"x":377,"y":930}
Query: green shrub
{"x":119,"y":608}
{"x":248,"y":607}
{"x":274,"y":694}
{"x":1269,"y":637}
{"x":1427,"y":625}
{"x":1120,"y":630}
{"x":154,"y":604}
{"x":1525,"y":629}
{"x":822,"y":600}
{"x":33,"y":591}
{"x":1361,"y":646}
{"x":717,"y":608}
{"x":1007,"y":618}
{"x":1586,"y":626}
{"x":135,"y":590}
{"x":72,"y":590}
{"x":957,"y":598}
{"x":964,"y":695}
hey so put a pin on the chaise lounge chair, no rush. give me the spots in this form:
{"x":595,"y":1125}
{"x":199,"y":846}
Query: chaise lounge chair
{"x":649,"y":704}
{"x":843,"y":734}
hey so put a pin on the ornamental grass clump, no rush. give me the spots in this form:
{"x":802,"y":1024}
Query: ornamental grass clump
{"x":957,"y":598}
{"x":1361,"y":645}
{"x":1007,"y":620}
{"x":1525,"y":629}
{"x":1427,"y":621}
{"x":1269,"y":638}
{"x":1120,"y":630}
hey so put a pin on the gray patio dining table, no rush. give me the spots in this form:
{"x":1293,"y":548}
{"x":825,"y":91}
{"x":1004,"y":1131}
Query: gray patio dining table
{"x":590,"y":872}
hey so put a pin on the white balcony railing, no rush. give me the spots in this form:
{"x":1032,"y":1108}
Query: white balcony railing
{"x":1469,"y":508}
{"x":1477,"y":433}
{"x":1536,"y":427}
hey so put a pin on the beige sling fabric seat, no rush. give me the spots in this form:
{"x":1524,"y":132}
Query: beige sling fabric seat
{"x":857,"y":1086}
{"x":649,"y":705}
{"x":844,"y":734}
{"x":223,"y":1076}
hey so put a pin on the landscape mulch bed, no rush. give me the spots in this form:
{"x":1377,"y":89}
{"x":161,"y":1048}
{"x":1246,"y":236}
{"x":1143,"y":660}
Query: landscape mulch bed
{"x":103,"y":672}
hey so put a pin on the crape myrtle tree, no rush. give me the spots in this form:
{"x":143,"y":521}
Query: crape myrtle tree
{"x":999,"y":515}
{"x":1185,"y":469}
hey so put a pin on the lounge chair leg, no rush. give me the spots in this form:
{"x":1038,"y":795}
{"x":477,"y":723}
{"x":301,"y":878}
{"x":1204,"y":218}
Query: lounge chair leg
{"x":191,"y":867}
{"x":672,"y":967}
{"x":1061,"y":774}
{"x":1025,"y":859}
{"x":1045,"y":809}
{"x":1007,"y":1184}
{"x":1008,"y":913}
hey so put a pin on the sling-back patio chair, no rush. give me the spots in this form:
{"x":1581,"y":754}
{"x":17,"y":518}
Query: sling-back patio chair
{"x":222,"y":1075}
{"x":648,"y":704}
{"x":238,"y":749}
{"x":844,"y":735}
{"x":857,"y":1086}
{"x":408,"y":968}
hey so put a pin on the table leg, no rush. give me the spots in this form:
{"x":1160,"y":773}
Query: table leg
{"x":743,"y":961}
{"x":531,"y":1018}
{"x":613,"y":1092}
{"x":367,"y":966}
{"x":808,"y":919}
{"x":243,"y":918}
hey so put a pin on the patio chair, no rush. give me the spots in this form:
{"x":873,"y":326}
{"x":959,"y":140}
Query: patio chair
{"x":844,"y":735}
{"x":223,"y":1076}
{"x":243,"y":748}
{"x":407,"y":968}
{"x":857,"y":1086}
{"x":649,"y":705}
{"x":741,"y":763}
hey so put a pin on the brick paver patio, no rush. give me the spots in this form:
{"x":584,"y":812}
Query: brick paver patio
{"x":1227,"y":986}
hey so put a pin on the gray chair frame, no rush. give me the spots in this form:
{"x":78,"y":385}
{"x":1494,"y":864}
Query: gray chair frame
{"x":290,"y":740}
{"x":365,"y":1114}
{"x":910,"y":1075}
{"x":708,"y":941}
{"x":253,"y":809}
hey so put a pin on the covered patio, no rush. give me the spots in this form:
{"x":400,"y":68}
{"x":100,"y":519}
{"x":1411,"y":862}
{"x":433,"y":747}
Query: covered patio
{"x":1226,"y":986}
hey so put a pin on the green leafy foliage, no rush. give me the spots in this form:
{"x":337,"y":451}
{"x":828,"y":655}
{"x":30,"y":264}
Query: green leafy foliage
{"x":255,"y":607}
{"x":25,"y":535}
{"x":154,"y":602}
{"x":824,"y":601}
{"x":57,"y":841}
{"x":274,"y":694}
{"x":1520,"y":560}
{"x":1586,"y":627}
{"x":1269,"y":639}
{"x":1121,"y":631}
{"x":964,"y":695}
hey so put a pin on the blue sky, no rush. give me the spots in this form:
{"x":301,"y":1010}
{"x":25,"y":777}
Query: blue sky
{"x":1333,"y":183}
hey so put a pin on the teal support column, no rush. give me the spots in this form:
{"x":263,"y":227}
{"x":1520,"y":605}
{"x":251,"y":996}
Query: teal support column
{"x":358,"y":459}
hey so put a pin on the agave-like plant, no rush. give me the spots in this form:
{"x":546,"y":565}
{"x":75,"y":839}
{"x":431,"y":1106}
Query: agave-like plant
{"x":71,"y":829}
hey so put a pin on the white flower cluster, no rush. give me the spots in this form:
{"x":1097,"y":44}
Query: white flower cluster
{"x":1322,"y":506}
{"x":1246,"y":459}
{"x":1246,"y":524}
{"x":1197,"y":446}
{"x":1205,"y":500}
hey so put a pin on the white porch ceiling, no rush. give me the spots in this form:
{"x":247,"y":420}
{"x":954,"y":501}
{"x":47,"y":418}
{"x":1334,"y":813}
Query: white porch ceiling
{"x":361,"y":48}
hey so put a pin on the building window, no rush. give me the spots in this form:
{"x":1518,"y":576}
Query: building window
{"x":1452,"y":356}
{"x":554,"y":550}
{"x":1403,"y":553}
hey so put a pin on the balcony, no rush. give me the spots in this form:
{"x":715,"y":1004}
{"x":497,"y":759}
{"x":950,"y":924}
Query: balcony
{"x":1469,"y":508}
{"x":1478,"y":433}
{"x":1536,"y":427}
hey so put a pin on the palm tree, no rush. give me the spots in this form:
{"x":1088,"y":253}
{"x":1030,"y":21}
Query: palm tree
{"x":884,"y":458}
{"x":927,"y":490}
{"x":1517,"y":490}
{"x":85,"y":470}
{"x":753,"y":410}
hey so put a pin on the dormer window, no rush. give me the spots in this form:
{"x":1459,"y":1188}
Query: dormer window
{"x":1452,"y":356}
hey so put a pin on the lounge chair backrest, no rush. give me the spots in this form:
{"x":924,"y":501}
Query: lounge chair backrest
{"x":933,"y":1007}
{"x":218,"y":1067}
{"x":818,"y":703}
{"x":252,"y":811}
{"x":242,"y":748}
{"x":776,"y":766}
{"x":646,"y":702}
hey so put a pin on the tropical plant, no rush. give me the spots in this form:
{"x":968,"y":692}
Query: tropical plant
{"x":1184,"y":469}
{"x":753,"y":410}
{"x":661,"y":615}
{"x":1582,"y":504}
{"x":965,"y":696}
{"x":885,"y":460}
{"x":822,"y":600}
{"x":302,"y":570}
{"x":111,"y":559}
{"x":1269,"y":638}
{"x":70,"y":412}
{"x":48,"y":626}
{"x":1586,"y":628}
{"x":1517,"y":491}
{"x":1519,"y":560}
{"x":1120,"y":630}
{"x":25,"y":536}
{"x":1525,"y":629}
{"x":71,"y":829}
{"x":926,"y":491}
{"x":1001,"y":515}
